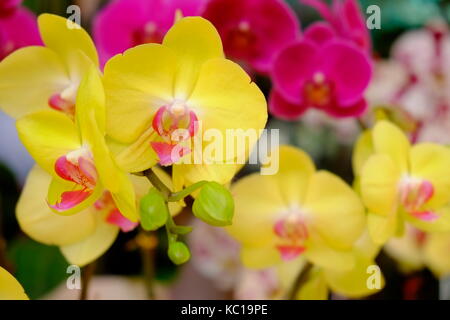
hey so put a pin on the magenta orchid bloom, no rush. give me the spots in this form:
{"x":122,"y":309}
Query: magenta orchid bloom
{"x":253,"y":31}
{"x":18,"y":28}
{"x":346,"y":19}
{"x":331,"y":76}
{"x":124,"y":24}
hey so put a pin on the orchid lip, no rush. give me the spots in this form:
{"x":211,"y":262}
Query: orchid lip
{"x":77,"y":167}
{"x":414,"y":193}
{"x":174,"y":123}
{"x":292,"y":232}
{"x":65,"y":100}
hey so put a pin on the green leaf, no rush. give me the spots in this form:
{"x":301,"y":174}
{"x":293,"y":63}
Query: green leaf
{"x":39,"y":268}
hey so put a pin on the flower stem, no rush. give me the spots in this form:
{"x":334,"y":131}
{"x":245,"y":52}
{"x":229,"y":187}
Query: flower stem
{"x":86,"y":276}
{"x":157,"y":183}
{"x":299,"y":281}
{"x":177,"y":196}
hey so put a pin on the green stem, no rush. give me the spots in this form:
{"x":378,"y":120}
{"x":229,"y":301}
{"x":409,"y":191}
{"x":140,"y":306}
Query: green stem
{"x":157,"y":183}
{"x":300,"y":281}
{"x":177,"y":196}
{"x":86,"y":276}
{"x":148,"y":264}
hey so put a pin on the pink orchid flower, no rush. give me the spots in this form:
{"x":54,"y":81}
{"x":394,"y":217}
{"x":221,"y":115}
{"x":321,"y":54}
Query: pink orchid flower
{"x":124,"y":24}
{"x":329,"y":75}
{"x":253,"y":31}
{"x":18,"y":27}
{"x":346,"y":19}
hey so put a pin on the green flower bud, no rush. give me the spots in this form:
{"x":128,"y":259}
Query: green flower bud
{"x":178,"y":252}
{"x":154,"y":211}
{"x":214,"y":205}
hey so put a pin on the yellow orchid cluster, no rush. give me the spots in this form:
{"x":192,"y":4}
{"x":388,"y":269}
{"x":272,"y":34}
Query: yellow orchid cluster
{"x":321,"y":234}
{"x":94,"y":135}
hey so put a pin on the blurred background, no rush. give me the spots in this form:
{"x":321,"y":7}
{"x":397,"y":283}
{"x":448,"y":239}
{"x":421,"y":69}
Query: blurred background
{"x":42,"y":269}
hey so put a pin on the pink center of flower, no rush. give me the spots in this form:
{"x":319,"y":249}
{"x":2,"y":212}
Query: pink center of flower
{"x":318,"y":92}
{"x":64,"y":101}
{"x":147,"y":34}
{"x":414,"y":194}
{"x":292,"y":233}
{"x":77,"y":167}
{"x":114,"y":216}
{"x":174,"y":124}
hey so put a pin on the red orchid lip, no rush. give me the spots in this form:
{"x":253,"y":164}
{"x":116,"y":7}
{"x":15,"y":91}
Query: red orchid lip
{"x":80,"y":171}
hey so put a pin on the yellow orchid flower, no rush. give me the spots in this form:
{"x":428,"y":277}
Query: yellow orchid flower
{"x":39,"y":78}
{"x":298,"y":211}
{"x":10,"y":288}
{"x":155,"y":91}
{"x":76,"y":154}
{"x":82,"y":237}
{"x":399,"y":182}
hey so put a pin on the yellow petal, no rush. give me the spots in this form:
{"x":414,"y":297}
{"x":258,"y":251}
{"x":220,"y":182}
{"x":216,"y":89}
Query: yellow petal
{"x":48,"y":135}
{"x":294,"y":174}
{"x":40,"y":223}
{"x":379,"y":180}
{"x":363,"y":150}
{"x":125,"y":197}
{"x":431,"y":162}
{"x":257,"y":204}
{"x":335,"y":210}
{"x":68,"y":39}
{"x":436,"y":253}
{"x":192,"y":173}
{"x":137,"y":156}
{"x":356,"y":283}
{"x":90,"y":112}
{"x":390,"y":140}
{"x":10,"y":288}
{"x":28,"y":78}
{"x":92,"y":247}
{"x":259,"y":257}
{"x":381,"y":228}
{"x":137,"y":84}
{"x":194,"y":40}
{"x":406,"y":251}
{"x":315,"y":288}
{"x":225,"y":99}
{"x":320,"y":253}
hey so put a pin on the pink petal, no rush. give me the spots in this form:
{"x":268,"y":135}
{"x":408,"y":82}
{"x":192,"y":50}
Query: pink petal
{"x":349,"y":68}
{"x":115,"y":26}
{"x":18,"y":30}
{"x":283,"y":109}
{"x":293,"y":67}
{"x":272,"y":25}
{"x":355,"y":24}
{"x":320,"y":33}
{"x":70,"y":199}
{"x":168,"y":153}
{"x":116,"y":218}
{"x":354,"y":110}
